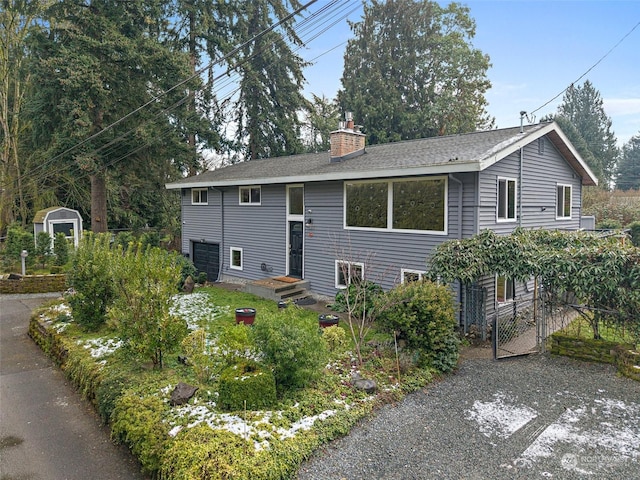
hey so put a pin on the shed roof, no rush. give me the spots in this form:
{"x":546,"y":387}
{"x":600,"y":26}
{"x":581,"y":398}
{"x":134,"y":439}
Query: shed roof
{"x":41,"y":215}
{"x":435,"y":155}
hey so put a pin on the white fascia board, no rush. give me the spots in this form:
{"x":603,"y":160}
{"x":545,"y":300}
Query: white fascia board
{"x":510,"y":146}
{"x":440,"y":169}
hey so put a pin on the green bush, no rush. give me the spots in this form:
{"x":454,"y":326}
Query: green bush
{"x":292,"y":346}
{"x":43,"y":247}
{"x":91,"y":279}
{"x":61,"y":249}
{"x":609,"y":224}
{"x":110,"y":389}
{"x":634,"y":231}
{"x":18,"y":239}
{"x":336,"y":338}
{"x":144,"y":282}
{"x":137,"y":423}
{"x":357,"y":297}
{"x":186,"y":268}
{"x":246,"y":382}
{"x":423,"y":314}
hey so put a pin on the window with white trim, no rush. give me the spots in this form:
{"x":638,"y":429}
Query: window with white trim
{"x":506,"y":208}
{"x":236,"y":258}
{"x":411,"y":204}
{"x":250,"y":195}
{"x":199,"y":196}
{"x":504,"y":289}
{"x":348,"y":272}
{"x":563,"y":201}
{"x":408,"y":275}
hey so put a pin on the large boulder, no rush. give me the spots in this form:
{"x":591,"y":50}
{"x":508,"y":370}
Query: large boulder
{"x":182,"y":394}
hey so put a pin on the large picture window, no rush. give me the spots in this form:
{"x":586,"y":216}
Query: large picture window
{"x":563,"y":202}
{"x":506,"y":199}
{"x":401,"y":205}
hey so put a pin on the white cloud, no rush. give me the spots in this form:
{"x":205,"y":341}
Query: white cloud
{"x":622,"y":106}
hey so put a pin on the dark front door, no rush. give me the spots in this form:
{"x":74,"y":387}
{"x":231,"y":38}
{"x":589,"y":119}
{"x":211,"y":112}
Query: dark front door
{"x":295,"y":249}
{"x":206,"y":258}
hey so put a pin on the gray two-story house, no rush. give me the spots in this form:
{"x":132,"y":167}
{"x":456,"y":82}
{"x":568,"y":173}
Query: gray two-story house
{"x":378,"y":211}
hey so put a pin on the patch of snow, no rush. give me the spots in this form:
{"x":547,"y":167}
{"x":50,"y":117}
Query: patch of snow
{"x":101,"y":347}
{"x":195,"y":309}
{"x":500,"y":417}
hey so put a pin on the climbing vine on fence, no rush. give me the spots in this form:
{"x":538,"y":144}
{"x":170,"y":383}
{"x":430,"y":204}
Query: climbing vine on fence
{"x":602,"y":272}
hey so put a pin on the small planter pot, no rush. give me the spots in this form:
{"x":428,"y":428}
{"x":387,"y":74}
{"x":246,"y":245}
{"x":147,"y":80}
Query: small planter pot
{"x":328,"y":320}
{"x":245,"y":315}
{"x":282,"y":304}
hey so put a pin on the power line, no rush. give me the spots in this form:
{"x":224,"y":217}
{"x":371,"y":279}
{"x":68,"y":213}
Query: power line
{"x":590,"y":68}
{"x":318,"y":18}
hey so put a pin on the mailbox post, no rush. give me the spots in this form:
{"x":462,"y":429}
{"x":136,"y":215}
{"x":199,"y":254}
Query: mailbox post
{"x":23,"y":257}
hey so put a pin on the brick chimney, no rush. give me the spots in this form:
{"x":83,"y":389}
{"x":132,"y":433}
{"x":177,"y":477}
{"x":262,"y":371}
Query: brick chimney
{"x":347,"y":141}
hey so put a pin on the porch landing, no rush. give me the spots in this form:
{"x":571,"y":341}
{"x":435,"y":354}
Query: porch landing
{"x":278,"y":288}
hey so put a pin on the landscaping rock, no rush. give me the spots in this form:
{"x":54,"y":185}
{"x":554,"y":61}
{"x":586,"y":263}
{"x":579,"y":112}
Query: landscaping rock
{"x":364,"y":384}
{"x":182,"y":393}
{"x":188,"y":285}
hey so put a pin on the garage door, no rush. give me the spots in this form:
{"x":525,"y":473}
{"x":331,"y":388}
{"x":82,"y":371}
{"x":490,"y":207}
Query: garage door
{"x":206,"y":258}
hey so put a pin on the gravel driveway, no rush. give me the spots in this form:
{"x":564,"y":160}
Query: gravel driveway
{"x":523,"y":418}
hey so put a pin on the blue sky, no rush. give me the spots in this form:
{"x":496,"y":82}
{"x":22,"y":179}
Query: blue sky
{"x":537,"y":48}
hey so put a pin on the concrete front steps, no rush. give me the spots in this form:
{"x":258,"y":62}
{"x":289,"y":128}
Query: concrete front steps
{"x":278,"y":288}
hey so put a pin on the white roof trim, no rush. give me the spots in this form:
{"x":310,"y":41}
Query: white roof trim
{"x":439,"y":169}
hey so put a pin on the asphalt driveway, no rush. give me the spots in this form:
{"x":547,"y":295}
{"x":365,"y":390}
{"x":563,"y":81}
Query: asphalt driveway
{"x":46,"y":431}
{"x":523,"y":418}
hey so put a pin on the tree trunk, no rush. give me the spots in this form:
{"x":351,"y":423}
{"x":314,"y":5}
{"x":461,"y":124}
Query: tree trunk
{"x":98,"y":203}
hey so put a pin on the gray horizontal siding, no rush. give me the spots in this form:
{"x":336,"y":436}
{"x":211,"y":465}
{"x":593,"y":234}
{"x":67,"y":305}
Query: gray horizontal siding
{"x":540,"y":175}
{"x":200,"y":223}
{"x":260,"y":230}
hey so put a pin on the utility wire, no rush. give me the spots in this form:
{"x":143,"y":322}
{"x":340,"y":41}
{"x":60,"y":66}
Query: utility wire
{"x":111,"y":146}
{"x":591,"y":68}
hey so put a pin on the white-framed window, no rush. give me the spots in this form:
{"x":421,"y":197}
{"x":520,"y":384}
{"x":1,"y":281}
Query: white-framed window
{"x":199,"y":196}
{"x":236,"y":260}
{"x":505,"y":289}
{"x":405,"y":205}
{"x":506,"y":208}
{"x":408,"y":275}
{"x":348,"y":272}
{"x":563,"y":201}
{"x":250,"y":195}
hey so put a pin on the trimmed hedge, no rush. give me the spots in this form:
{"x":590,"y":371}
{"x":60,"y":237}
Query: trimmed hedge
{"x":248,"y":382}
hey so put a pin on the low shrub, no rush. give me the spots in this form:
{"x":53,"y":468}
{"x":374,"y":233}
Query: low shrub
{"x":358,"y":297}
{"x":423,"y":314}
{"x":246,"y":382}
{"x":634,"y":231}
{"x":336,"y":338}
{"x":111,"y":387}
{"x":292,"y":345}
{"x":60,"y":249}
{"x":138,"y":423}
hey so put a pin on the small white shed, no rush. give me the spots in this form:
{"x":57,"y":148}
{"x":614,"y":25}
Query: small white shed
{"x":59,"y":219}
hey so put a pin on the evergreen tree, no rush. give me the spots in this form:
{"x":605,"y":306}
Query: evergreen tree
{"x":95,"y":63}
{"x":322,"y":118}
{"x":270,"y":93}
{"x":411,"y":71}
{"x":628,"y":176}
{"x":583,"y":106}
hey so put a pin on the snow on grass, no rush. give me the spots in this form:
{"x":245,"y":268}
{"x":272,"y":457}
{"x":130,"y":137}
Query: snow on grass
{"x":101,"y":347}
{"x":196,"y":309}
{"x":259,"y":428}
{"x":500,"y":417}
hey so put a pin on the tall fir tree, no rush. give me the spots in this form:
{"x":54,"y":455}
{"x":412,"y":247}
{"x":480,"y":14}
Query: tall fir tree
{"x":583,"y":107}
{"x":628,"y":174}
{"x":270,"y":98}
{"x":96,"y":62}
{"x":412,"y":72}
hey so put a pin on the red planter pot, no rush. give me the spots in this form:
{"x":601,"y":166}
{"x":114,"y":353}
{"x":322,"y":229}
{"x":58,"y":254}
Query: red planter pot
{"x":245,"y":315}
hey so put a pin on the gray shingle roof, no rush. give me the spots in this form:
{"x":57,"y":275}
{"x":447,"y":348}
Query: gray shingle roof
{"x":436,"y":155}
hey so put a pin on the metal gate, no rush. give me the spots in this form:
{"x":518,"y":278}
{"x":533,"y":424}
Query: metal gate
{"x":475,"y":311}
{"x":519,"y":328}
